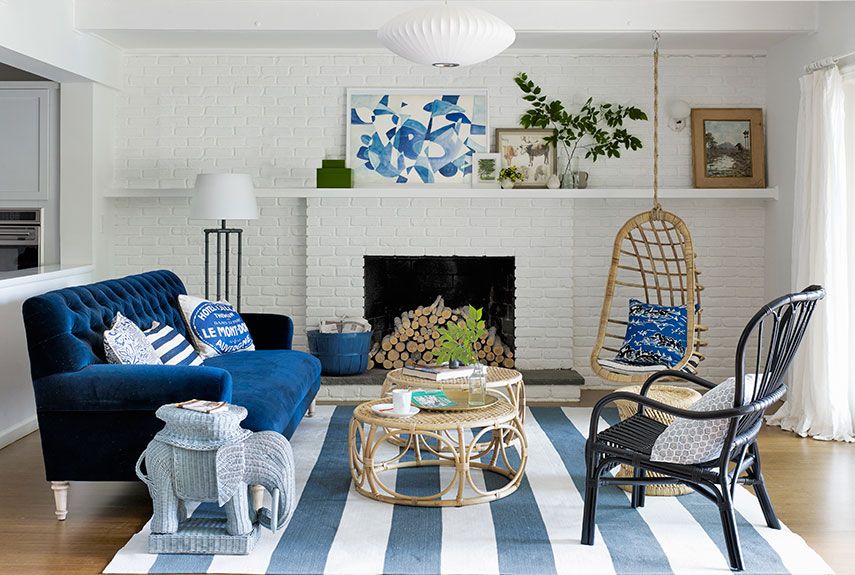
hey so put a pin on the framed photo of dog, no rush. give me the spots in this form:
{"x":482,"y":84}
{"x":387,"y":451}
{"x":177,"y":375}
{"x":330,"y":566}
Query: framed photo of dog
{"x":527,"y":150}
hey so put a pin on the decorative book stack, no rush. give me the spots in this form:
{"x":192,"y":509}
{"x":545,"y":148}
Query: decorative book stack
{"x":334,"y":174}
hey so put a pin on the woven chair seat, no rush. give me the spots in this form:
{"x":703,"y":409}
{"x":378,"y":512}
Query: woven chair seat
{"x":637,"y":433}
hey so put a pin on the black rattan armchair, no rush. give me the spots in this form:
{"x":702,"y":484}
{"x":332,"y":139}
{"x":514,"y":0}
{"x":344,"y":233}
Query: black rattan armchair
{"x":771,"y":339}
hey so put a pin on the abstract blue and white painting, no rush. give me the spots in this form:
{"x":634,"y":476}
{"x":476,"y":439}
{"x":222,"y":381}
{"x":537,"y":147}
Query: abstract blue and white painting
{"x":415,"y":137}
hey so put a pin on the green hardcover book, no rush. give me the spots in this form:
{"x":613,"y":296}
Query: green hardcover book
{"x":334,"y":177}
{"x":333,"y":164}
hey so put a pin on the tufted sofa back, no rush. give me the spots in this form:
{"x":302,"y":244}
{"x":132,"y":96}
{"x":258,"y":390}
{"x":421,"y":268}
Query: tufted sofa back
{"x":65,"y":327}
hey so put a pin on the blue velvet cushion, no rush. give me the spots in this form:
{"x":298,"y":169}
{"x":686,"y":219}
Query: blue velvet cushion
{"x":655,"y":335}
{"x":270,"y":384}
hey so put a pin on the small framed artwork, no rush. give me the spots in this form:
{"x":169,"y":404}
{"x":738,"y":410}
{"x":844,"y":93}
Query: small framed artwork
{"x":728,"y":148}
{"x":526,"y":149}
{"x":485,"y":172}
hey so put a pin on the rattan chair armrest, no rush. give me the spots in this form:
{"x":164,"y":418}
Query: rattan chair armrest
{"x":691,"y":378}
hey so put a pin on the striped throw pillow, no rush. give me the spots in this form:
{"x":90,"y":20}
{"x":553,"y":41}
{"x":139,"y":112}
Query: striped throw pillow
{"x":172,"y":347}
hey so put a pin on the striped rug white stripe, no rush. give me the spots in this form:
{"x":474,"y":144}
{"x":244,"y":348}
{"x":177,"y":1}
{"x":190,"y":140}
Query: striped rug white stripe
{"x":535,"y":530}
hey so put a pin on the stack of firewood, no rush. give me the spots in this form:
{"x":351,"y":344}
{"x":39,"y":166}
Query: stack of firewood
{"x":416,"y":339}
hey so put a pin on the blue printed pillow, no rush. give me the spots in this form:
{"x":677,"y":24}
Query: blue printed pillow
{"x":170,"y":346}
{"x":125,"y":343}
{"x":215,"y":327}
{"x":655,"y":336}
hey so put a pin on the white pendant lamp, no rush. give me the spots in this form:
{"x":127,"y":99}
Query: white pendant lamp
{"x":446,"y":36}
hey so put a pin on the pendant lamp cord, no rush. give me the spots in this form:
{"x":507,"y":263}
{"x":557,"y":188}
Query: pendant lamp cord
{"x":657,"y":208}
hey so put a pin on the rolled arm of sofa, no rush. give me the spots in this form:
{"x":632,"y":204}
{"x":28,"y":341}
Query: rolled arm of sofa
{"x":108,"y":387}
{"x":270,"y":330}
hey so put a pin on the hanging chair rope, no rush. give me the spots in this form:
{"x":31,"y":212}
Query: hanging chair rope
{"x":656,"y":213}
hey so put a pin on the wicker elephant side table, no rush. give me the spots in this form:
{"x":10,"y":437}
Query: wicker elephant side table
{"x":209,"y":457}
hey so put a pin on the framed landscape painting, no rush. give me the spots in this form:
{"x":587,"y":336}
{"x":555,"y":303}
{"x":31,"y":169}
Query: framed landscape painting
{"x":728,"y":148}
{"x":526,"y":149}
{"x":419,"y":137}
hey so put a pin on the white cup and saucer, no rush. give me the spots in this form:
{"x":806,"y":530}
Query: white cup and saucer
{"x":401,"y":405}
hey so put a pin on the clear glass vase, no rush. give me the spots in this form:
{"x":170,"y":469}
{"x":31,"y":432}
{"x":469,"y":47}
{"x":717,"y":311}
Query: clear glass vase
{"x":478,"y":386}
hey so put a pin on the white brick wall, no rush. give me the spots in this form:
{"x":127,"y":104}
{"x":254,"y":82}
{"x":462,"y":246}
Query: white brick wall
{"x":277,"y":115}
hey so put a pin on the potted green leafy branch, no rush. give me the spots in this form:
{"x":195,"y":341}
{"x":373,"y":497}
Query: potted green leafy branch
{"x":598,"y":129}
{"x":457,"y":342}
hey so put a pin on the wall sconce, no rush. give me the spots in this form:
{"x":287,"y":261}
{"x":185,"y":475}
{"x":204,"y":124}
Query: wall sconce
{"x":679,"y":112}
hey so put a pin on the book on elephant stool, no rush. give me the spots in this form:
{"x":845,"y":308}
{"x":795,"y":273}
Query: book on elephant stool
{"x":203,"y":406}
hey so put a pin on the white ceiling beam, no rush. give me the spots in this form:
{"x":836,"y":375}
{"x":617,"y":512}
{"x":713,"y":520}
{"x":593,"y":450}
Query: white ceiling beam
{"x":524,"y":16}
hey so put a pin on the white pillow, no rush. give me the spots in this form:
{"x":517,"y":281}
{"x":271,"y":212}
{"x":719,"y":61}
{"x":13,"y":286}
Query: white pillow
{"x":215,"y":327}
{"x":689,"y":441}
{"x":125,"y":343}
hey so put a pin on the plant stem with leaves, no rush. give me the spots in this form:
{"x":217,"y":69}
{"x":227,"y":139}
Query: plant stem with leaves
{"x":457,"y":342}
{"x":600,"y":124}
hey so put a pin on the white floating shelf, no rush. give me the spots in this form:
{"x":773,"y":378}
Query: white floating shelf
{"x":518,"y":193}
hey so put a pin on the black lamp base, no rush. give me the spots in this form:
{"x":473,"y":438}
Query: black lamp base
{"x":222,"y":267}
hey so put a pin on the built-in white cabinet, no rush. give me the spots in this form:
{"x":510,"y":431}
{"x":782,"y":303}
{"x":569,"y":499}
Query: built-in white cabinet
{"x":27,"y":138}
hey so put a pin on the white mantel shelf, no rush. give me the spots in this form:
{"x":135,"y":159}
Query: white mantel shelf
{"x":518,"y":193}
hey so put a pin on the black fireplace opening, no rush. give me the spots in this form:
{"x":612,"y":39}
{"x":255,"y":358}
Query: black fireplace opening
{"x":395,"y":284}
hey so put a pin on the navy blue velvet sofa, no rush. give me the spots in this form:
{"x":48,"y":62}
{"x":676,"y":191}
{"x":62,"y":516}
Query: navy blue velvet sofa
{"x":96,"y":418}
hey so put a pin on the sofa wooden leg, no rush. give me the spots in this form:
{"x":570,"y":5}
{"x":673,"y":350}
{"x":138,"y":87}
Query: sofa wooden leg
{"x":60,"y":497}
{"x":257,"y":497}
{"x":311,"y":411}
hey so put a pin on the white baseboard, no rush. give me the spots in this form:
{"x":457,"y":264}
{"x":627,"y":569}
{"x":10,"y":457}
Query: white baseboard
{"x":15,"y":432}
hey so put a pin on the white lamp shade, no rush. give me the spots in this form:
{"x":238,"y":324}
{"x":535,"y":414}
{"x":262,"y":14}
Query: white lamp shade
{"x":446,"y":36}
{"x":223,"y":197}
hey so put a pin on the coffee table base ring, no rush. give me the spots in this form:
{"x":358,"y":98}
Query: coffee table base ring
{"x":366,"y":470}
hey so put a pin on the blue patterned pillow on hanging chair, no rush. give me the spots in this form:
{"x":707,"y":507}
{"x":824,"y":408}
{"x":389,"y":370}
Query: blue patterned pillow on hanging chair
{"x":655,"y":335}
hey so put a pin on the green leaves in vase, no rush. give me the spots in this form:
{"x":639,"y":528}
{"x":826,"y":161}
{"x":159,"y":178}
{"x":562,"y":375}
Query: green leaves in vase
{"x":602,"y":124}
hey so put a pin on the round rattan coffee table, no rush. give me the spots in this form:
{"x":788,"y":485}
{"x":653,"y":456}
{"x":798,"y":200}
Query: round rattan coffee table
{"x":462,"y":440}
{"x":501,"y":381}
{"x":682,"y":397}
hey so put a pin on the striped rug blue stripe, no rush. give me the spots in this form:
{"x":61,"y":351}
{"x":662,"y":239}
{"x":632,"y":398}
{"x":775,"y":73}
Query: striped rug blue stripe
{"x":525,"y":533}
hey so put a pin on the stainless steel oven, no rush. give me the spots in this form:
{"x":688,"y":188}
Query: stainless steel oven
{"x":20,"y":239}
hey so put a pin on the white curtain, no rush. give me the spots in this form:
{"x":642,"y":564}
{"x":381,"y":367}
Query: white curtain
{"x":822,"y":388}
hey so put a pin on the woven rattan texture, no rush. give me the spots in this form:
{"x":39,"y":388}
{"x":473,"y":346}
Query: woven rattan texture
{"x":494,"y":414}
{"x":496,"y":377}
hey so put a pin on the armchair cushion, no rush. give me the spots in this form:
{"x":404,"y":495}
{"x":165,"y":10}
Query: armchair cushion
{"x":655,"y":335}
{"x":690,"y":441}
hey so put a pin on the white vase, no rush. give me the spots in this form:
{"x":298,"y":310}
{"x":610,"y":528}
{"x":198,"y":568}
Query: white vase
{"x":507,"y":184}
{"x":554,"y":182}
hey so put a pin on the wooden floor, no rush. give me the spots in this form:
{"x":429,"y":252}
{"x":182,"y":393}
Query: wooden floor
{"x":812,"y":485}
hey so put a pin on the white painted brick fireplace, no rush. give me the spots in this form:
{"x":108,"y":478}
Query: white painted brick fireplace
{"x":537,"y":233}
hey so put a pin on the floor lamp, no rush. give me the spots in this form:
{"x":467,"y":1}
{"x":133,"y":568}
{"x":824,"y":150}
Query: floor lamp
{"x":223,"y":197}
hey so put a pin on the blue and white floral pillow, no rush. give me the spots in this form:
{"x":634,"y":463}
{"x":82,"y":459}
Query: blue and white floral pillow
{"x":125,"y":343}
{"x":655,"y":336}
{"x":214,"y":326}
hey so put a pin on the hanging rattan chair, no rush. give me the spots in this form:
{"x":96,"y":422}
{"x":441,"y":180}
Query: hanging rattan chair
{"x":653,"y":261}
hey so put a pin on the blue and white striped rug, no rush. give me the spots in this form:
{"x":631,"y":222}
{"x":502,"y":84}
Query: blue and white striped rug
{"x":535,"y":530}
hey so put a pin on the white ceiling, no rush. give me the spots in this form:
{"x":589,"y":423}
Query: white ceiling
{"x":352,"y":24}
